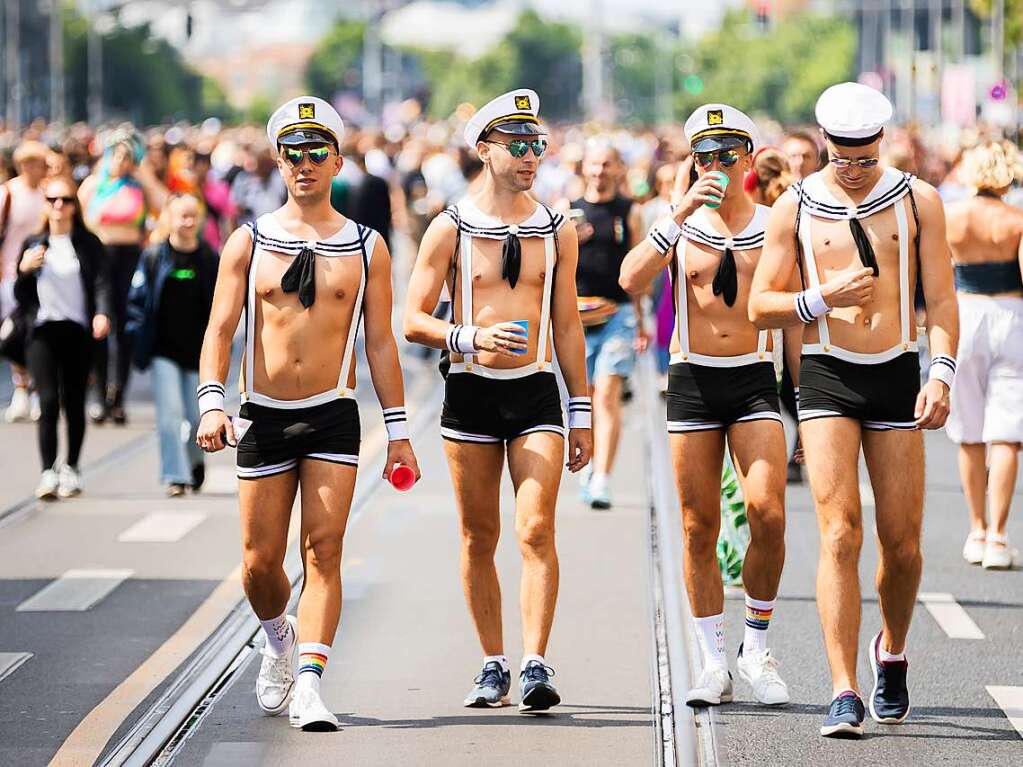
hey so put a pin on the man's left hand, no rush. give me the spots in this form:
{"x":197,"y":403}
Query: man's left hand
{"x":642,"y":341}
{"x":932,"y":405}
{"x":400,"y":451}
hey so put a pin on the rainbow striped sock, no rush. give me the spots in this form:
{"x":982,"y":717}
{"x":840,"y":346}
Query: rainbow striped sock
{"x":758,"y":618}
{"x":312,"y":659}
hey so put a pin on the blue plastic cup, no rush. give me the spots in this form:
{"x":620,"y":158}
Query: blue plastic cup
{"x":524,"y":324}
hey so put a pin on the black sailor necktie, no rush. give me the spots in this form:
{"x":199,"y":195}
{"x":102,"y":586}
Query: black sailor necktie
{"x":301,"y":276}
{"x":726,"y":280}
{"x":511,"y":256}
{"x":863,"y":246}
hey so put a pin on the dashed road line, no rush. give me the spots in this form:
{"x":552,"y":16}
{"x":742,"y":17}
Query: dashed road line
{"x":75,"y":590}
{"x":950,"y":616}
{"x":162,"y":527}
{"x":11,"y":662}
{"x":1010,"y":700}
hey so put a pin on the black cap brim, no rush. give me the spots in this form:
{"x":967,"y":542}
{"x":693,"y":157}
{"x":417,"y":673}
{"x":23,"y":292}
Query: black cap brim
{"x":713,"y":143}
{"x":520,"y":128}
{"x":306,"y":136}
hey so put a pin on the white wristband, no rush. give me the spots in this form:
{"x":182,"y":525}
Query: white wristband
{"x":211,"y":396}
{"x":810,"y":305}
{"x":664,"y":235}
{"x":943,"y":368}
{"x":396,"y":423}
{"x":461,"y":339}
{"x":580,"y":413}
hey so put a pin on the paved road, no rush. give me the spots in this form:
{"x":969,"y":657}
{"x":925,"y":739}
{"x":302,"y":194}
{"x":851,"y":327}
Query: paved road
{"x":160,"y":576}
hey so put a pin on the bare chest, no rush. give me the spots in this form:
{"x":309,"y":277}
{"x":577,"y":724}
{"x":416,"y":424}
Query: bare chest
{"x":337,"y":281}
{"x":487,"y":264}
{"x":834,"y":248}
{"x":700,"y":263}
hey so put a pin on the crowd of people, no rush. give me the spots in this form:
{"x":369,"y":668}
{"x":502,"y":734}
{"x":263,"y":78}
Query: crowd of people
{"x":155,"y":241}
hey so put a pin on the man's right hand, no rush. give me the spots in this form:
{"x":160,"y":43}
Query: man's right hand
{"x":705,"y":189}
{"x":215,"y":431}
{"x":32,"y":260}
{"x":503,"y":338}
{"x":849,"y":289}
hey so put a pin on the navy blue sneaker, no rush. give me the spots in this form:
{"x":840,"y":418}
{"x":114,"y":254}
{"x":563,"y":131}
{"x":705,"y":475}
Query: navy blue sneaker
{"x":845,"y":717}
{"x":889,"y":702}
{"x":538,"y":694}
{"x":491,"y":690}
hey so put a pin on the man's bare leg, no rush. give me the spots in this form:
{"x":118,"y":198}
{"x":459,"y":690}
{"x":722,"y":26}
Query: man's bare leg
{"x":1004,"y":457}
{"x":476,"y":476}
{"x":607,"y":427}
{"x":327,"y":490}
{"x":758,"y":452}
{"x":265,"y":506}
{"x":895,"y":461}
{"x":832,"y":448}
{"x":535,"y":462}
{"x":973,"y":474}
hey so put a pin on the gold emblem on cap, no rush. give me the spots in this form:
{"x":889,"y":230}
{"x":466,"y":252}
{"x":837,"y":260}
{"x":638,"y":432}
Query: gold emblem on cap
{"x":307,"y":111}
{"x":522,"y":102}
{"x":715,"y":117}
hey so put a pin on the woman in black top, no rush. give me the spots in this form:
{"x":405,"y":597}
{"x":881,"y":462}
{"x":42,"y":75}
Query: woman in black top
{"x":62,"y":290}
{"x":168,"y":309}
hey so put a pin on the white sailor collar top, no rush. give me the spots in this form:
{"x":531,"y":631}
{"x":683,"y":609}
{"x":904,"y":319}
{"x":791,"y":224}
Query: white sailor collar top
{"x":697,"y":228}
{"x":813,"y":195}
{"x":543,"y":222}
{"x":270,"y":235}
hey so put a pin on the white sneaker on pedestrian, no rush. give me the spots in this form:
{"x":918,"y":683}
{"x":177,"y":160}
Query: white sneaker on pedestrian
{"x":973,"y":549}
{"x":49,"y":482}
{"x":35,"y":410}
{"x":277,"y":676}
{"x":308,"y":713}
{"x":998,"y":553}
{"x":760,"y":669}
{"x":69,"y":482}
{"x":713,"y":688}
{"x":20,"y":408}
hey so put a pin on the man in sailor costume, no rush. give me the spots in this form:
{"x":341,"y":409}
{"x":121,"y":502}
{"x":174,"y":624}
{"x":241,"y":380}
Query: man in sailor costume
{"x":305,"y":277}
{"x":842,"y":254}
{"x":509,"y":266}
{"x":721,"y":384}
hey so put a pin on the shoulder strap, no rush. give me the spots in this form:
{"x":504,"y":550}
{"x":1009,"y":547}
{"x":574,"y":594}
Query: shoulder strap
{"x":799,"y":245}
{"x":6,"y":212}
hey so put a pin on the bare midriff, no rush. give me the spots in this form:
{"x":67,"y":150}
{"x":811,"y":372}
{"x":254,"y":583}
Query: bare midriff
{"x":876,"y":325}
{"x":298,"y":351}
{"x":715,"y":328}
{"x":117,"y":234}
{"x":494,"y":300}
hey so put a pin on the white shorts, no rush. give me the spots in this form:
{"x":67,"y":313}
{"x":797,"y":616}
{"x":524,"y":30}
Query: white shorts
{"x":987,"y":395}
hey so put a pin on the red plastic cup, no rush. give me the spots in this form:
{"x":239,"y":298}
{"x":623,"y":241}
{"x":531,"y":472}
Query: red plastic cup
{"x":402,"y":477}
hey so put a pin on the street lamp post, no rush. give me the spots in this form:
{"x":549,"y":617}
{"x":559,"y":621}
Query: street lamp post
{"x":12,"y":62}
{"x":57,"y":101}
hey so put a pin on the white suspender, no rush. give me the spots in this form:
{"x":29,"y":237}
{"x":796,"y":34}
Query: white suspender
{"x":353,"y":328}
{"x":806,"y":238}
{"x":247,"y":377}
{"x":545,"y":306}
{"x":466,"y":267}
{"x":904,"y":308}
{"x":682,"y":322}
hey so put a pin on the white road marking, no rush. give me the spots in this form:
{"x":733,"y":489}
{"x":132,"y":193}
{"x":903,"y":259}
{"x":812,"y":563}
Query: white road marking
{"x":75,"y":590}
{"x":951,"y":616}
{"x":11,"y":661}
{"x":1010,"y":700}
{"x":162,"y":527}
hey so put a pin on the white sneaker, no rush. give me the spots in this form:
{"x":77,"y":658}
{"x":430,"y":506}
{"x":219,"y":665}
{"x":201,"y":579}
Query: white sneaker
{"x":35,"y":410}
{"x":973,"y":549}
{"x":308,"y":713}
{"x":998,"y":553}
{"x":760,"y":669}
{"x":69,"y":483}
{"x":20,"y":408}
{"x":277,"y":676}
{"x":46,"y":490}
{"x":712,"y":688}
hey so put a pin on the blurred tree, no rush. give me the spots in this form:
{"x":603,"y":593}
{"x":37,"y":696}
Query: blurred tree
{"x":780,"y":73}
{"x":1013,"y":18}
{"x":633,"y":76}
{"x":336,"y":64}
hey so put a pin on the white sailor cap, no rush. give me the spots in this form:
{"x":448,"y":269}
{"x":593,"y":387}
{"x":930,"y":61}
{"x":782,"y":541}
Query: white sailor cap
{"x":304,"y":120}
{"x":853,"y":113}
{"x":719,"y":126}
{"x":512,"y":112}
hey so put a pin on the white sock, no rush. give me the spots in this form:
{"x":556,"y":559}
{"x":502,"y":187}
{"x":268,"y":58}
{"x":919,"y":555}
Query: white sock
{"x":598,"y":482}
{"x":499,"y":659}
{"x":886,"y":656}
{"x":312,"y":659}
{"x":279,"y":636}
{"x":527,"y":658}
{"x":758,"y":616}
{"x":711,"y":633}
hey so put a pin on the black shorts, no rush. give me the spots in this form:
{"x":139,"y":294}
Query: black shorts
{"x":702,"y":398}
{"x":276,"y":439}
{"x":488,"y":410}
{"x":880,"y":396}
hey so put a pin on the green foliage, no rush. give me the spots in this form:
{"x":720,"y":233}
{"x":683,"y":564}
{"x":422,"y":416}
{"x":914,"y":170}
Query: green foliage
{"x":335,"y":64}
{"x":1013,"y":18}
{"x":634,"y":59}
{"x":780,"y":73}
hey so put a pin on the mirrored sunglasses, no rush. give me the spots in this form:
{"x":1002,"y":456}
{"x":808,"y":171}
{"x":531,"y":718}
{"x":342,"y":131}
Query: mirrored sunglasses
{"x":317,"y":155}
{"x":844,"y":162}
{"x":519,"y":147}
{"x":727,"y":158}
